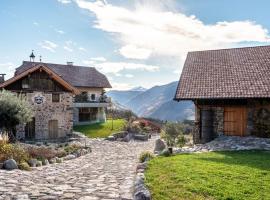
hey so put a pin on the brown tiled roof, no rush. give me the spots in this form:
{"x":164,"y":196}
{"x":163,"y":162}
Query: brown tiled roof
{"x":226,"y":74}
{"x":77,"y":76}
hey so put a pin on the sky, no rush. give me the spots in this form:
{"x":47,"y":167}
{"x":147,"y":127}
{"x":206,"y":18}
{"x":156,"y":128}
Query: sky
{"x":134,"y":42}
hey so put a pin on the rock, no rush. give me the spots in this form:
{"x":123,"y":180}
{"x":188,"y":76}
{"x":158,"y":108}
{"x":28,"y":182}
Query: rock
{"x":1,"y":165}
{"x":52,"y":160}
{"x":127,"y":138}
{"x":32,"y":162}
{"x":84,"y":152}
{"x":143,"y":137}
{"x":142,"y":194}
{"x":111,"y":138}
{"x":59,"y":160}
{"x":159,"y":145}
{"x":69,"y":157}
{"x":141,"y":166}
{"x":45,"y":162}
{"x":165,"y":153}
{"x":10,"y":164}
{"x":39,"y":163}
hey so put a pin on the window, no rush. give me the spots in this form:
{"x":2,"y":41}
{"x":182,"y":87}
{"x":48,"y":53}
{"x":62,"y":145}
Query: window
{"x":93,"y":97}
{"x":25,"y":83}
{"x":55,"y":98}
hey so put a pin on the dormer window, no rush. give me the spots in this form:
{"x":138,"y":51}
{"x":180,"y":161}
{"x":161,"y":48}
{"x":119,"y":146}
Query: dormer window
{"x":25,"y":84}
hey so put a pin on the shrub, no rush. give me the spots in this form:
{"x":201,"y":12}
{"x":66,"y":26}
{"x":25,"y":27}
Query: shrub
{"x":173,"y":134}
{"x":165,"y":153}
{"x":72,"y":148}
{"x":4,"y":139}
{"x":24,"y":166}
{"x":11,"y":151}
{"x":145,"y":156}
{"x":42,"y":152}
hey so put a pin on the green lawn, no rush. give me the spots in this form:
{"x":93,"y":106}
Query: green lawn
{"x":215,"y":175}
{"x":101,"y":130}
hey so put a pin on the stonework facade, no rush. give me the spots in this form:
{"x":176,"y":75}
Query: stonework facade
{"x":51,"y":119}
{"x":257,"y":122}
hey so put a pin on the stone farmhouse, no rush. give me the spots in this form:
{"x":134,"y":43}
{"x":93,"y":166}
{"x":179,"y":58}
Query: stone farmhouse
{"x":61,"y":96}
{"x":231,"y":91}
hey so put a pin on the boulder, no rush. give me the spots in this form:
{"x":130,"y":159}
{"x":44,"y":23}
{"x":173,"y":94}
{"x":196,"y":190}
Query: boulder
{"x":111,"y":138}
{"x":39,"y":163}
{"x":1,"y":165}
{"x":10,"y":164}
{"x":159,"y":146}
{"x":69,"y":157}
{"x":143,"y":137}
{"x":52,"y":160}
{"x":127,"y":138}
{"x":32,"y":162}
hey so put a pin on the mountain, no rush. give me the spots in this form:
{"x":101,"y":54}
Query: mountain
{"x":156,"y":102}
{"x":123,"y":97}
{"x":141,"y":89}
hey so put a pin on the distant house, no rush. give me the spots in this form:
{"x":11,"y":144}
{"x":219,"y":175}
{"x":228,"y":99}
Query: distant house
{"x":231,"y":91}
{"x":61,"y":95}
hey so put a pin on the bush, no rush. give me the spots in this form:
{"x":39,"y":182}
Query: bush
{"x":42,"y":152}
{"x":173,"y":134}
{"x":4,"y":139}
{"x":24,"y":166}
{"x":11,"y":151}
{"x":145,"y":156}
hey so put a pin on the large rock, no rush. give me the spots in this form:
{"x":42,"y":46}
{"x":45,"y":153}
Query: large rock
{"x":159,"y":146}
{"x":10,"y":164}
{"x":143,"y":137}
{"x":33,"y":162}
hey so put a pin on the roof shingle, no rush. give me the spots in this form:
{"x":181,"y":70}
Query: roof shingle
{"x":226,"y":74}
{"x":77,"y":76}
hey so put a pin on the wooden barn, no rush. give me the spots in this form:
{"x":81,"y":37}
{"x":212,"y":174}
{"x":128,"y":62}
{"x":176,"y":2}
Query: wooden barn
{"x":231,"y":92}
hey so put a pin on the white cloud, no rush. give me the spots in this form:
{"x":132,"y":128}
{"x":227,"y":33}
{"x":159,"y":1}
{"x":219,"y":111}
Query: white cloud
{"x":146,"y":32}
{"x":82,"y":49}
{"x":100,"y":59}
{"x":60,"y":31}
{"x":36,"y":23}
{"x":120,"y":86}
{"x":49,"y":45}
{"x":68,"y":48}
{"x":116,"y":67}
{"x":129,"y":75}
{"x":64,"y":1}
{"x":88,"y":62}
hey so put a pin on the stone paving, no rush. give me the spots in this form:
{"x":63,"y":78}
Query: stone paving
{"x":106,"y":173}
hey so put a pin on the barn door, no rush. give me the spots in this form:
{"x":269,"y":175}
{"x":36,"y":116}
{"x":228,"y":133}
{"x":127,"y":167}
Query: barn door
{"x":235,"y":121}
{"x":53,"y":129}
{"x":30,"y":130}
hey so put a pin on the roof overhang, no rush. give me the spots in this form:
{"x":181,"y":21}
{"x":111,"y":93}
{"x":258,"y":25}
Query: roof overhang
{"x":44,"y":68}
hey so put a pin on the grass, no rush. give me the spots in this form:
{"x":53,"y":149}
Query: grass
{"x":215,"y":175}
{"x":101,"y":130}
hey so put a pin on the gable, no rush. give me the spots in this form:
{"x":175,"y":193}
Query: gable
{"x":38,"y":78}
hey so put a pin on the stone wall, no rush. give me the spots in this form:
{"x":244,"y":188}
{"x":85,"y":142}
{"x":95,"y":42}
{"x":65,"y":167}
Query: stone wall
{"x":46,"y":110}
{"x":258,"y":122}
{"x":218,"y":121}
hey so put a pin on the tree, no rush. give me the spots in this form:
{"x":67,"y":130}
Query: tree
{"x":173,"y":134}
{"x":14,"y":110}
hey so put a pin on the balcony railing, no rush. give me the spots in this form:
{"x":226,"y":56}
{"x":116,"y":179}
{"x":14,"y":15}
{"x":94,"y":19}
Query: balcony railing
{"x":86,"y":103}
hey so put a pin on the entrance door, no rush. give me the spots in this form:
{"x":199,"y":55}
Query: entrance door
{"x":30,"y":130}
{"x":53,"y":129}
{"x":235,"y":121}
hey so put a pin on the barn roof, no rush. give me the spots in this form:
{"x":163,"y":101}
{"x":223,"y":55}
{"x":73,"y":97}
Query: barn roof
{"x":77,"y":76}
{"x":226,"y":74}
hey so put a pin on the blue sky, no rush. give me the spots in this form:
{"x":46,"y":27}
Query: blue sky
{"x":135,"y":43}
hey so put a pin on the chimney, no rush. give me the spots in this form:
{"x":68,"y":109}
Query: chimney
{"x":70,"y":63}
{"x":2,"y":78}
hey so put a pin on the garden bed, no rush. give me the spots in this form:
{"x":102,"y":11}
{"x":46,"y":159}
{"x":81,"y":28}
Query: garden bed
{"x":24,"y":156}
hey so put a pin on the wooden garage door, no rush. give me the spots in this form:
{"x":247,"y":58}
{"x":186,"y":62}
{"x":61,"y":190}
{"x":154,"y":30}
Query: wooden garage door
{"x":53,"y":129}
{"x":235,"y":121}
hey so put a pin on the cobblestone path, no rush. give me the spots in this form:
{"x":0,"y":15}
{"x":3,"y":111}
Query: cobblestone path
{"x":106,"y":173}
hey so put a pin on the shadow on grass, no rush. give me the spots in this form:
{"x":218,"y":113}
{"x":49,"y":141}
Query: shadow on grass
{"x":258,"y":159}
